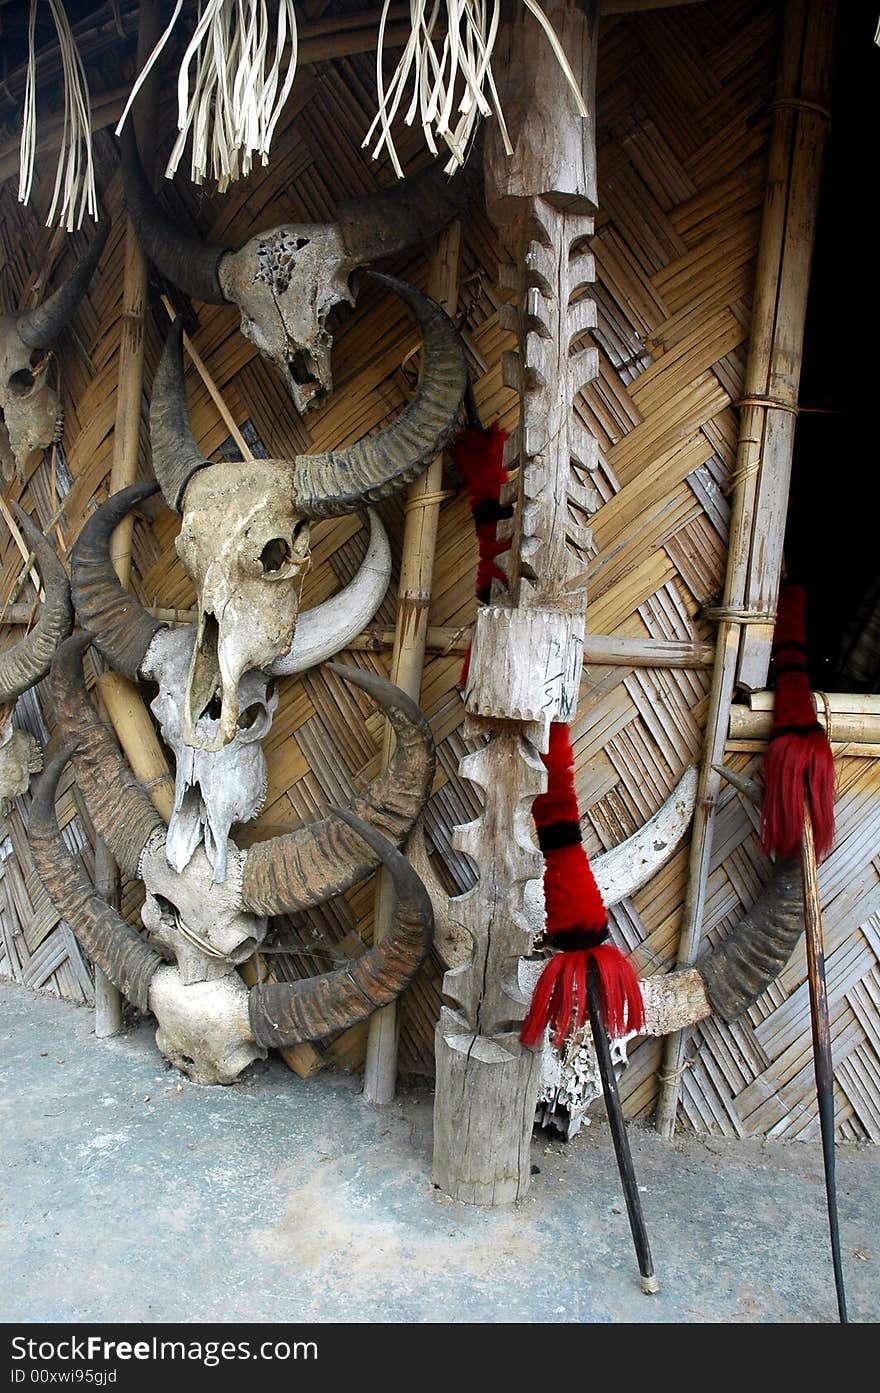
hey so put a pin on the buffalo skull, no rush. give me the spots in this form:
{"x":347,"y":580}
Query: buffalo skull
{"x":244,"y":535}
{"x":30,"y":411}
{"x":286,"y":280}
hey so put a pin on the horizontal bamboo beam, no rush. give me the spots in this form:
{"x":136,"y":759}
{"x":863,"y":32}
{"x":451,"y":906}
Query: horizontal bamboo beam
{"x":856,"y":727}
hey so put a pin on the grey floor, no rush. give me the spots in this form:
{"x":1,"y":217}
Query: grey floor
{"x":131,"y":1194}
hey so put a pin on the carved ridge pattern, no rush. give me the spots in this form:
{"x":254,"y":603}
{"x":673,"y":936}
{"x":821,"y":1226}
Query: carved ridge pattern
{"x":550,"y":314}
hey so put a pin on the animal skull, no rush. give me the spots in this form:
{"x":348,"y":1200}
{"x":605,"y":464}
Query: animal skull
{"x":30,"y":410}
{"x":212,"y":791}
{"x":245,"y":546}
{"x":20,"y":756}
{"x":285,"y":282}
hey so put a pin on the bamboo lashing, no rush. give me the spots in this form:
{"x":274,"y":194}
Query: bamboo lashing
{"x":781,"y":286}
{"x":422,"y":514}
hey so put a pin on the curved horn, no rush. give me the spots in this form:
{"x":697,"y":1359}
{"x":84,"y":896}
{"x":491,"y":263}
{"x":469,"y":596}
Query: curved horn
{"x":120,"y":627}
{"x":326,"y":629}
{"x":410,"y":212}
{"x":288,"y":1013}
{"x":176,"y":456}
{"x":304,"y":867}
{"x":118,"y":806}
{"x":624,"y":869}
{"x":744,"y":964}
{"x":27,"y":661}
{"x":341,"y":481}
{"x":185,"y":261}
{"x":110,"y":942}
{"x":40,"y":328}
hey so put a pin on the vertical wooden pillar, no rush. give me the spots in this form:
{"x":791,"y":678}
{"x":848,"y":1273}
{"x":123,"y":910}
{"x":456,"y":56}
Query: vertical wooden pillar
{"x":408,"y":659}
{"x":528,"y":643}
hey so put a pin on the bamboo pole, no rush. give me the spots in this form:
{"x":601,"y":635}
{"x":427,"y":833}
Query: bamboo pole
{"x":126,"y":431}
{"x":796,"y":136}
{"x":408,"y":659}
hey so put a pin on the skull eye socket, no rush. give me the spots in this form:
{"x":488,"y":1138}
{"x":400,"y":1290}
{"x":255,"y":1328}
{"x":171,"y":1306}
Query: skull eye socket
{"x":249,"y":715}
{"x":274,"y":555}
{"x":21,"y":382}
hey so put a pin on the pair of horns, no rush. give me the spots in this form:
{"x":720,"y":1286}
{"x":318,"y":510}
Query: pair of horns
{"x":382,"y":224}
{"x":27,"y":661}
{"x":325,"y":485}
{"x":282,"y":1014}
{"x":295,"y":871}
{"x":335,"y":481}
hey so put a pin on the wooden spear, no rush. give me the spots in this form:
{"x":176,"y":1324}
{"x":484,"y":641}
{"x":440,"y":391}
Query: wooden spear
{"x":822,"y":1059}
{"x":619,"y":1136}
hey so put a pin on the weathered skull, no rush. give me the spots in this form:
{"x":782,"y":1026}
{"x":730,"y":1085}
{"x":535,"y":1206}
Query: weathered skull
{"x":212,"y":791}
{"x":285,"y":282}
{"x":30,"y":411}
{"x":287,"y":279}
{"x":202,"y":923}
{"x":245,"y":546}
{"x":203,"y":1026}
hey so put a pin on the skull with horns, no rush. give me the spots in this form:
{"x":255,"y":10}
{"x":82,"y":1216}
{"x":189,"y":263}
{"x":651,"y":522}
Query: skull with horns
{"x":30,"y":411}
{"x":208,"y":917}
{"x":244,"y":542}
{"x":286,"y":280}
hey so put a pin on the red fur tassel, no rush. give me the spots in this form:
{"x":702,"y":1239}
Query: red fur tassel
{"x":577,"y":922}
{"x":799,"y":757}
{"x":479,"y":455}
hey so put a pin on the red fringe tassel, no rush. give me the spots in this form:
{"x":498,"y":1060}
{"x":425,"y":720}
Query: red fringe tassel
{"x":575,"y":912}
{"x":799,"y":760}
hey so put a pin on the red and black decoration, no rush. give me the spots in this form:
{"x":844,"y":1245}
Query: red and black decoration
{"x":479,"y":455}
{"x":799,"y":757}
{"x":576,"y":919}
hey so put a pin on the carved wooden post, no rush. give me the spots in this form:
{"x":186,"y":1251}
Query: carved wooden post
{"x":528,"y":644}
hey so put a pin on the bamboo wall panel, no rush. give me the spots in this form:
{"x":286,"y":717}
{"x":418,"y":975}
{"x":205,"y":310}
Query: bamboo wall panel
{"x":682,"y":130}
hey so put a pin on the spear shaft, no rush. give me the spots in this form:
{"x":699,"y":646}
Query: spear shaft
{"x":618,"y":1134}
{"x":822,"y":1060}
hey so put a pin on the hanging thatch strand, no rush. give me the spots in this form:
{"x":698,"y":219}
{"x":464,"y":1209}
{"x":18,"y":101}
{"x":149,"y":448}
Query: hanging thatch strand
{"x":121,"y":629}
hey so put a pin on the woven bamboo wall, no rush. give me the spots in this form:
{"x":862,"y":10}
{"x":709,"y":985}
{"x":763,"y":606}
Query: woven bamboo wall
{"x":683,"y":127}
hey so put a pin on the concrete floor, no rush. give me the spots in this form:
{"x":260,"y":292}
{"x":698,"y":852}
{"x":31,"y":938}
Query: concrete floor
{"x":131,"y":1194}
